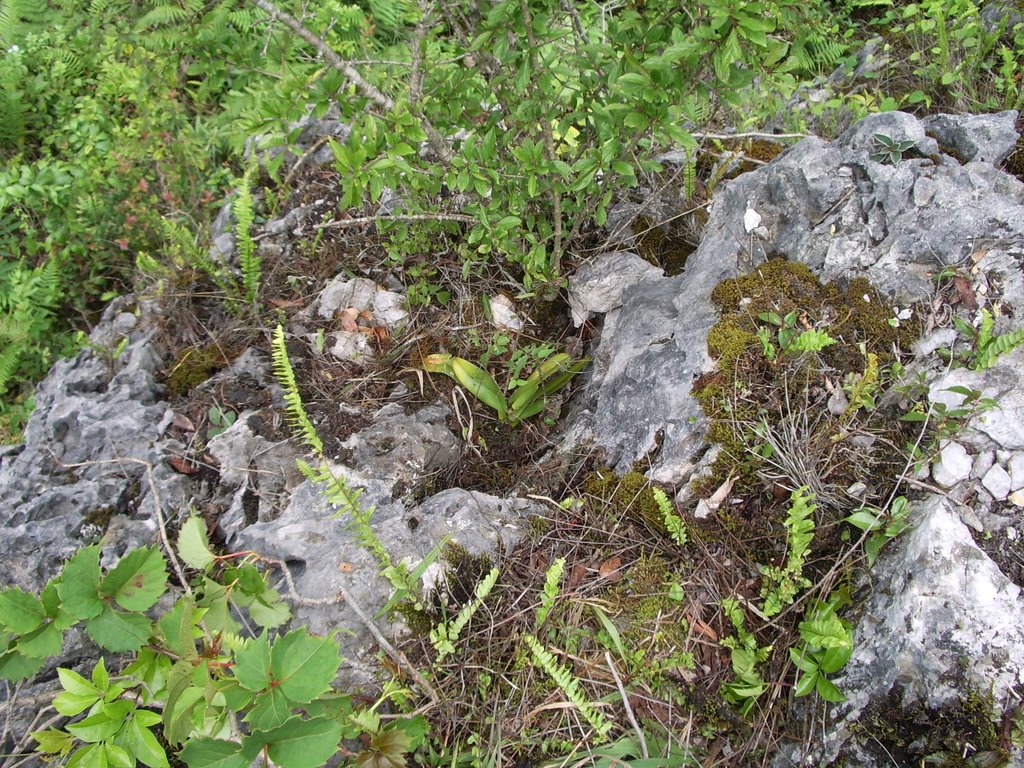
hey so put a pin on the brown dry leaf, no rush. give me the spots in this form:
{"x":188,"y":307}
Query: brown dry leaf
{"x":346,"y":567}
{"x":979,"y":254}
{"x":611,"y":569}
{"x":366,"y":315}
{"x":964,"y":292}
{"x":381,"y":334}
{"x":182,"y":465}
{"x":349,"y":318}
{"x":579,"y":572}
{"x":182,"y":422}
{"x":703,"y":628}
{"x":286,"y":303}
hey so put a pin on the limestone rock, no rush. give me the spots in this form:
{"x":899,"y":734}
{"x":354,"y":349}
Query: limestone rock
{"x":953,"y":465}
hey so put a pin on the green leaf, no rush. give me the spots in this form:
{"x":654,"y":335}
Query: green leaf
{"x":117,"y":757}
{"x":53,"y":741}
{"x":302,"y":743}
{"x":144,"y":745}
{"x":178,"y":627}
{"x":802,"y":660}
{"x":866,"y":520}
{"x":138,"y":580}
{"x":305,"y":666}
{"x":79,"y":586}
{"x":828,"y":690}
{"x":271,"y":613}
{"x":118,"y":631}
{"x":480,"y":384}
{"x":193,"y":544}
{"x":805,"y":684}
{"x":252,"y":664}
{"x":217,"y":753}
{"x":14,"y":666}
{"x":103,"y":725}
{"x":270,"y":710}
{"x":20,"y":612}
{"x":79,"y":694}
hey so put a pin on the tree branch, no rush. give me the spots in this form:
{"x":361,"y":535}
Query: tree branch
{"x":368,"y":89}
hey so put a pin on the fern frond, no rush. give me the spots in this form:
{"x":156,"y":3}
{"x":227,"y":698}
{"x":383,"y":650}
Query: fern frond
{"x":162,"y":16}
{"x":985,"y":329}
{"x":989,"y":354}
{"x":10,"y":356}
{"x":388,"y":14}
{"x":296,"y":412}
{"x":569,"y":685}
{"x":550,"y":593}
{"x":249,"y":260}
{"x":444,"y":635}
{"x":673,"y":523}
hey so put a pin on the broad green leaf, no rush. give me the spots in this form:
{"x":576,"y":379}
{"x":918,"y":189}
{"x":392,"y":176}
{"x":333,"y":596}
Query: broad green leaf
{"x":834,"y":659}
{"x":216,"y":753}
{"x":480,"y":384}
{"x":90,"y":756}
{"x":865,"y":520}
{"x":118,"y":631}
{"x":178,"y":627}
{"x":828,"y":690}
{"x":270,"y":710}
{"x":144,"y":745}
{"x":102,"y":725}
{"x":178,"y":719}
{"x":20,"y":612}
{"x":305,"y":666}
{"x":802,"y":660}
{"x":42,"y":643}
{"x":252,"y":664}
{"x":138,"y":580}
{"x":193,"y":544}
{"x":79,"y":586}
{"x":15,"y":666}
{"x":805,"y":684}
{"x":118,"y":757}
{"x":827,"y":632}
{"x":302,"y":743}
{"x":269,"y":613}
{"x":79,"y":694}
{"x":100,"y":676}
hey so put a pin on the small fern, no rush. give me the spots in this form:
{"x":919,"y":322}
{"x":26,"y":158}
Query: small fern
{"x":249,"y":260}
{"x":781,"y":585}
{"x":673,"y":523}
{"x":550,"y":593}
{"x":989,"y":347}
{"x":296,"y":412}
{"x":569,"y":685}
{"x":444,"y":635}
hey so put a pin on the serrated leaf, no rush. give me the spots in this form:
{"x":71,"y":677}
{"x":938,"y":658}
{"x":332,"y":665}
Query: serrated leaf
{"x":53,"y":741}
{"x":178,"y":627}
{"x":118,"y":631}
{"x":302,"y":743}
{"x":42,"y":643}
{"x":79,"y":586}
{"x":217,"y":753}
{"x":252,"y":664}
{"x":270,"y":710}
{"x":193,"y":544}
{"x":269,"y":613}
{"x":826,"y":633}
{"x":305,"y":666}
{"x":20,"y":612}
{"x":138,"y":580}
{"x":15,"y":666}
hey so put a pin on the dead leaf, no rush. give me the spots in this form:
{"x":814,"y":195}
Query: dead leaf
{"x":286,"y":303}
{"x":349,"y":318}
{"x":182,"y":422}
{"x":346,"y":567}
{"x":579,"y":572}
{"x":703,"y":628}
{"x":182,"y":465}
{"x":964,"y":292}
{"x":610,"y":569}
{"x":711,"y":504}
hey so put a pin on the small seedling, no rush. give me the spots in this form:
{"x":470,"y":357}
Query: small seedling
{"x":888,"y":150}
{"x":220,"y":420}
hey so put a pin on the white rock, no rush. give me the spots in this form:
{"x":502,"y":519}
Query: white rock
{"x":503,"y":314}
{"x":953,"y":465}
{"x":982,"y":463}
{"x":598,"y":286}
{"x":997,"y":482}
{"x":1016,"y":467}
{"x":1016,"y":498}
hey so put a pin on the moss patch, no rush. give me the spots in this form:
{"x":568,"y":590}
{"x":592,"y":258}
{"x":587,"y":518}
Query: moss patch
{"x":193,"y":367}
{"x":961,"y":735}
